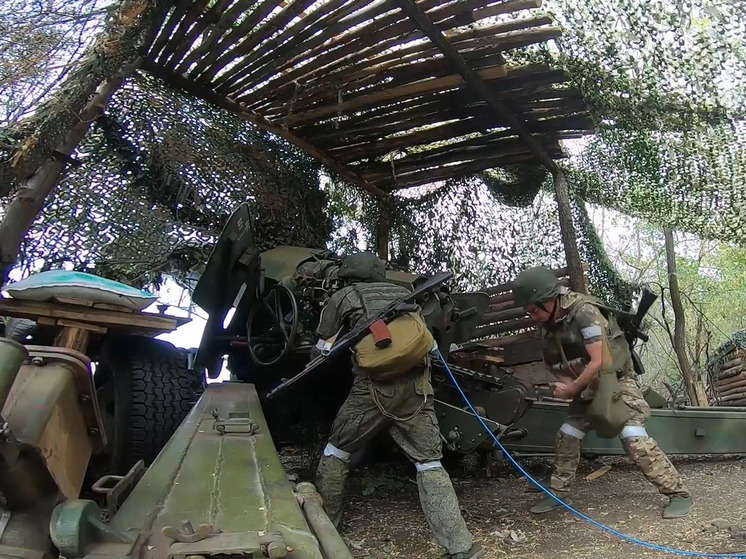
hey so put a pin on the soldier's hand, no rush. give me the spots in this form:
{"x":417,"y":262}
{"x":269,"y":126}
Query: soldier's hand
{"x":565,"y":391}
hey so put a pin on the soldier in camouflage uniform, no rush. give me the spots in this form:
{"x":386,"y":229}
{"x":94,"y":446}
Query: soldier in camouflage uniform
{"x":404,"y":407}
{"x":575,"y":333}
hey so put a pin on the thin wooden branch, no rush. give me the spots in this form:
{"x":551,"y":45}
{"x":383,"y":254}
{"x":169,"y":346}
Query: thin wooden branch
{"x":210,"y":17}
{"x":217,"y":32}
{"x":162,"y":38}
{"x":380,"y":39}
{"x":523,"y":83}
{"x":180,"y":82}
{"x":260,"y":34}
{"x":401,"y":71}
{"x":295,"y":45}
{"x":410,"y":90}
{"x":189,"y":20}
{"x":451,"y":171}
{"x":234,"y":37}
{"x":453,"y":130}
{"x":510,"y":146}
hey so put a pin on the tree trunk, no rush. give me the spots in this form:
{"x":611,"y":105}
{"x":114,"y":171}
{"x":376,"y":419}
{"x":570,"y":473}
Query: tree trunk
{"x":694,"y":387}
{"x":567,"y":230}
{"x":30,"y":197}
{"x":384,"y":228}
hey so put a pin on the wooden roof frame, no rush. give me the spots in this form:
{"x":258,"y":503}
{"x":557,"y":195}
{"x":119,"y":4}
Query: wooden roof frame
{"x":353,"y":82}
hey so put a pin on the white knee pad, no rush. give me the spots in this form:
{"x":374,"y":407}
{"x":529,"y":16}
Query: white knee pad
{"x":425,"y":466}
{"x":571,"y":431}
{"x":331,"y":450}
{"x":633,"y":431}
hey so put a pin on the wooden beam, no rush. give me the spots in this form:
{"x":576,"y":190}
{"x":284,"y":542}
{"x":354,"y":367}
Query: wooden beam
{"x":180,"y":82}
{"x":477,"y":84}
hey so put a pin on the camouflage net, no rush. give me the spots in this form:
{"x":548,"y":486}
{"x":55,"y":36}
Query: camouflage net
{"x":160,"y":175}
{"x":467,"y":227}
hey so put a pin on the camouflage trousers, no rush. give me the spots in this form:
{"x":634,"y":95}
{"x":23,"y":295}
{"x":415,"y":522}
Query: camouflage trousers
{"x":405,"y":409}
{"x":639,"y":446}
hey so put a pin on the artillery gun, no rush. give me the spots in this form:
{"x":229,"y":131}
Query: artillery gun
{"x":216,"y":488}
{"x":264,"y":307}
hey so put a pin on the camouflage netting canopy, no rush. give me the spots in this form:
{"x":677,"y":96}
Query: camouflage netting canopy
{"x":360,"y":83}
{"x":159,"y":175}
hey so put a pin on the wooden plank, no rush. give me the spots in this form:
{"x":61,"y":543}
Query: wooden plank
{"x":401,"y":57}
{"x":33,"y":309}
{"x":96,"y":329}
{"x":508,"y":286}
{"x":258,"y":36}
{"x":401,"y":92}
{"x":502,"y":327}
{"x":298,"y":40}
{"x":207,"y":46}
{"x":499,"y":316}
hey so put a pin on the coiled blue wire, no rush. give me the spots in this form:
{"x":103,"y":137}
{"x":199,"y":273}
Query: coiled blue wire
{"x":568,"y":507}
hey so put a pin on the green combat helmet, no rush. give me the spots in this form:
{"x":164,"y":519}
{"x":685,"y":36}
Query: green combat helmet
{"x":535,"y":286}
{"x":362,"y":266}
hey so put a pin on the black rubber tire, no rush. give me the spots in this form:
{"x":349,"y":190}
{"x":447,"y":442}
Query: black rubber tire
{"x":154,"y":390}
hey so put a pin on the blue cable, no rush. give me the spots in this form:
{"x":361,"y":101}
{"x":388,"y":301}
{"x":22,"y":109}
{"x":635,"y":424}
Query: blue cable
{"x":568,"y":507}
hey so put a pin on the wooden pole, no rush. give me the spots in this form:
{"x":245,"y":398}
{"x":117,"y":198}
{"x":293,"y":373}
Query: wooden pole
{"x":694,"y":388}
{"x":30,"y":197}
{"x":474,"y":82}
{"x":567,"y":231}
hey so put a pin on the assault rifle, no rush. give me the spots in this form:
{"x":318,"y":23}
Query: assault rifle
{"x":631,"y":323}
{"x":376,"y":325}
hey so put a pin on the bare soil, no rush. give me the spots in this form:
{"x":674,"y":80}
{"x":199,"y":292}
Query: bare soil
{"x":383,"y":518}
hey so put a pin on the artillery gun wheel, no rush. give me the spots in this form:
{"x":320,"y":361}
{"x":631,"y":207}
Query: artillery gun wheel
{"x":271,"y":323}
{"x":147,"y":392}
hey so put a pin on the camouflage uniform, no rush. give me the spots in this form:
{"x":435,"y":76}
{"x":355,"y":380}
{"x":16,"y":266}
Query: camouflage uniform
{"x":581,"y":323}
{"x":404,"y":408}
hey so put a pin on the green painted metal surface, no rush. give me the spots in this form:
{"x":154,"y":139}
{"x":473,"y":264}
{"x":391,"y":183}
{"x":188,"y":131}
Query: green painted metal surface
{"x":691,"y":430}
{"x":233,"y":482}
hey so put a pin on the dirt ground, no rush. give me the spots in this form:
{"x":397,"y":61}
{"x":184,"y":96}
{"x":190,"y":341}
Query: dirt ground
{"x":383,"y":518}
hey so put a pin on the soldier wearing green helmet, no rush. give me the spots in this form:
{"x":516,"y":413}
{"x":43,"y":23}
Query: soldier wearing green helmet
{"x":403,"y":406}
{"x":578,"y":335}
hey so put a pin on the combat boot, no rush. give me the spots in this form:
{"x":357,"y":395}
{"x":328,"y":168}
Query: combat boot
{"x":549,"y":504}
{"x":475,"y":552}
{"x":678,"y":506}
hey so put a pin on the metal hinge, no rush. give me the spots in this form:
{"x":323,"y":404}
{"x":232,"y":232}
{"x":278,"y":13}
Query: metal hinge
{"x":236,"y":422}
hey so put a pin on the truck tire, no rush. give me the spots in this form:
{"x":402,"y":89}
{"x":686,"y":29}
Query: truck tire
{"x":153,"y":391}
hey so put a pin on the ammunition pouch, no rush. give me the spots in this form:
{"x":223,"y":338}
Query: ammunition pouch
{"x":407,"y":343}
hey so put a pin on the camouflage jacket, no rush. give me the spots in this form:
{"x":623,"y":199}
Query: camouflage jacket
{"x":355,"y":303}
{"x":582,"y":323}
